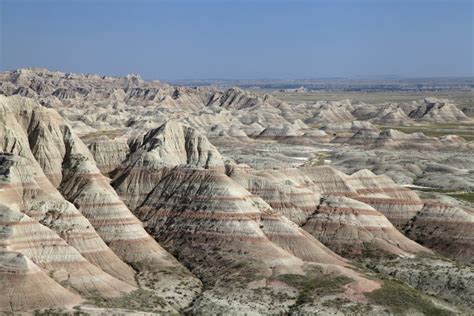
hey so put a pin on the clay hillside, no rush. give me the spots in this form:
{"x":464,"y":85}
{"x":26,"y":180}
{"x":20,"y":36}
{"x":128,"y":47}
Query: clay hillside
{"x":123,"y":196}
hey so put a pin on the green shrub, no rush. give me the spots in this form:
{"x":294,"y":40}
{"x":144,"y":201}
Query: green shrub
{"x":313,"y":285}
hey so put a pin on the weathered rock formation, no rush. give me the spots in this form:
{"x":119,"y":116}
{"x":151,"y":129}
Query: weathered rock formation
{"x":353,"y":228}
{"x":26,"y":287}
{"x":394,"y":139}
{"x":213,"y":224}
{"x":43,"y":153}
{"x":83,"y":215}
{"x":445,"y":228}
{"x":437,"y":111}
{"x":108,"y":153}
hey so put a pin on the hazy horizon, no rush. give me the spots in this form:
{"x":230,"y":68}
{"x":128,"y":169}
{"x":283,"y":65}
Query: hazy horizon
{"x":241,"y":40}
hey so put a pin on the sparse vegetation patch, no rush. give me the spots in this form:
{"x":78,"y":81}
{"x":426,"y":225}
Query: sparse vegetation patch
{"x":401,"y":299}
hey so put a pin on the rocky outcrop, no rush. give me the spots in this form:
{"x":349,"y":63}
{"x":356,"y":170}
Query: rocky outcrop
{"x":282,"y":195}
{"x":352,"y":228}
{"x":26,"y":287}
{"x":393,"y":114}
{"x":92,"y":194}
{"x":234,"y":98}
{"x":345,"y":225}
{"x":445,"y":228}
{"x":397,"y":203}
{"x":68,"y":240}
{"x":216,"y":226}
{"x":108,"y":153}
{"x":437,"y":111}
{"x":175,"y":144}
{"x":168,"y":145}
{"x":29,"y":189}
{"x":331,"y":112}
{"x":283,"y":131}
{"x":66,"y":265}
{"x":261,"y":239}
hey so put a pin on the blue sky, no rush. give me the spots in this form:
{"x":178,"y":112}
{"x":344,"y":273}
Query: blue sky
{"x":240,"y":39}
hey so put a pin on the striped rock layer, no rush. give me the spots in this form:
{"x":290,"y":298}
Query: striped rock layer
{"x":214,"y":225}
{"x":345,"y":225}
{"x":285,"y":197}
{"x":92,"y":194}
{"x":350,"y":227}
{"x":108,"y":153}
{"x":27,"y":287}
{"x":234,"y":227}
{"x":443,"y":228}
{"x":226,"y":209}
{"x":37,"y":198}
{"x":397,"y":203}
{"x":87,"y":242}
{"x":169,"y":145}
{"x":24,"y":235}
{"x":448,"y":229}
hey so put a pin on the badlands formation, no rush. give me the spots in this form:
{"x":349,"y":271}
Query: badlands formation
{"x":119,"y":195}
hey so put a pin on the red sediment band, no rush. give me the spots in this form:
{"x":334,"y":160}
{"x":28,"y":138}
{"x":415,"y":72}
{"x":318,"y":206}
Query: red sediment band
{"x":216,"y":197}
{"x":10,"y":185}
{"x":329,"y":224}
{"x":382,"y":190}
{"x":323,"y":186}
{"x":216,"y":170}
{"x":251,"y":216}
{"x":114,"y":222}
{"x":191,"y":206}
{"x":348,"y":210}
{"x":439,"y":204}
{"x":62,"y":264}
{"x":271,"y":190}
{"x":371,"y":200}
{"x":271,"y":217}
{"x":145,"y":170}
{"x":197,"y":197}
{"x":344,"y":194}
{"x":335,"y":182}
{"x":403,"y":218}
{"x":222,"y":236}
